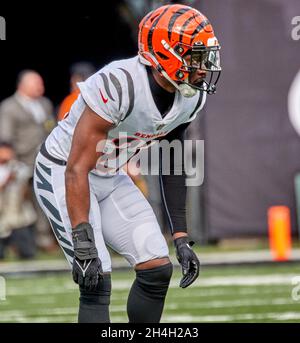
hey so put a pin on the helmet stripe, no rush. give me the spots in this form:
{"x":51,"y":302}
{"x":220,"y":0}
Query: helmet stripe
{"x":199,"y":28}
{"x":145,"y":20}
{"x":175,"y":16}
{"x":185,"y":25}
{"x":150,"y":34}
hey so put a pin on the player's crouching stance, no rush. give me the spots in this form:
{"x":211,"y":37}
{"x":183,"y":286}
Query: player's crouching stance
{"x":157,"y":93}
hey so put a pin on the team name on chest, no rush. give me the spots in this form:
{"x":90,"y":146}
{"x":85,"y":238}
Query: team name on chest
{"x":150,"y":135}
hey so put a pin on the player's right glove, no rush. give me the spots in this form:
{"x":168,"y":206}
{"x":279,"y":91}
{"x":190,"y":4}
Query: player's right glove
{"x":87,"y":267}
{"x":188,"y":259}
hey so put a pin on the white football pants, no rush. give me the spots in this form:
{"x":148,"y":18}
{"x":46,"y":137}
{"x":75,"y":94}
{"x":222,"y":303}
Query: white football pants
{"x":119,"y":213}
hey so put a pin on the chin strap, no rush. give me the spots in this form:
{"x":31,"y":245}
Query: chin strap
{"x":184,"y":89}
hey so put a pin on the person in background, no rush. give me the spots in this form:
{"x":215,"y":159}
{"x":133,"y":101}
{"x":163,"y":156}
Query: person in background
{"x":26,"y":118}
{"x":79,"y":72}
{"x":17,"y":214}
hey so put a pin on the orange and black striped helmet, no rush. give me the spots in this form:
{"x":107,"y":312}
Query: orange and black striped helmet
{"x":171,"y":32}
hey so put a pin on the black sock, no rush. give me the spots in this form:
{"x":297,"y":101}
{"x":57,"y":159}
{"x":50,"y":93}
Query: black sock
{"x":94,"y":305}
{"x":147,"y":295}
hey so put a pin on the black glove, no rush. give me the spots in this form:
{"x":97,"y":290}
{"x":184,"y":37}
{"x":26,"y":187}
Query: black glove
{"x":87,"y":267}
{"x":189,"y":261}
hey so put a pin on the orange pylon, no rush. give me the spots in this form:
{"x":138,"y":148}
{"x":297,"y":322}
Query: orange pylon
{"x":279,"y":222}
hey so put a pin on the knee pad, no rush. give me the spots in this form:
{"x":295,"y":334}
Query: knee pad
{"x":148,"y":292}
{"x":98,"y":296}
{"x":155,"y":282}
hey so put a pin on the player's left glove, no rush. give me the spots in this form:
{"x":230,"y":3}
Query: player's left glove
{"x":87,"y":268}
{"x":189,"y":261}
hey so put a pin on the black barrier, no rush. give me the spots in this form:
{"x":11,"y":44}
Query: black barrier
{"x":251,"y":148}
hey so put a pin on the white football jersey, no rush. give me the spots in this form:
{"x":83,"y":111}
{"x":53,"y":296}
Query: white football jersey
{"x":120,"y":93}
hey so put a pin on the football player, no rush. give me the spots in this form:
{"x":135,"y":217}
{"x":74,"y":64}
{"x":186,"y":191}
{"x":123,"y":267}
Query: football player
{"x":156,"y":93}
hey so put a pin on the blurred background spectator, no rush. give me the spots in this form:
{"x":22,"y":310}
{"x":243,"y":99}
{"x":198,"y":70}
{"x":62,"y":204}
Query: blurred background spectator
{"x":26,"y":118}
{"x":17,"y":214}
{"x":78,"y":72}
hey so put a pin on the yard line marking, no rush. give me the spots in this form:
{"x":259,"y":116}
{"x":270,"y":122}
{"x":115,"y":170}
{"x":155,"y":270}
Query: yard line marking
{"x":228,"y":318}
{"x":231,"y":303}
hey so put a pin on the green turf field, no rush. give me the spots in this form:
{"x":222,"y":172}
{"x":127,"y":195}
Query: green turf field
{"x":228,"y":294}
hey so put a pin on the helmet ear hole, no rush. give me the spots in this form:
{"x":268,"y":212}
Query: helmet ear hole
{"x":179,"y":74}
{"x":179,"y":49}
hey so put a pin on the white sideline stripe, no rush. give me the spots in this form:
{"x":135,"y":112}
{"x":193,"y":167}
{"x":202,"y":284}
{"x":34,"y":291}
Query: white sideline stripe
{"x":249,"y":280}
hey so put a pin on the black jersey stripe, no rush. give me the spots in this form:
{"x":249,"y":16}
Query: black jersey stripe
{"x":57,"y":229}
{"x":130,"y":87}
{"x":46,"y":169}
{"x":51,"y":208}
{"x":43,"y":184}
{"x":145,"y":21}
{"x":118,"y":87}
{"x":174,"y":17}
{"x":106,"y":86}
{"x":68,"y":252}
